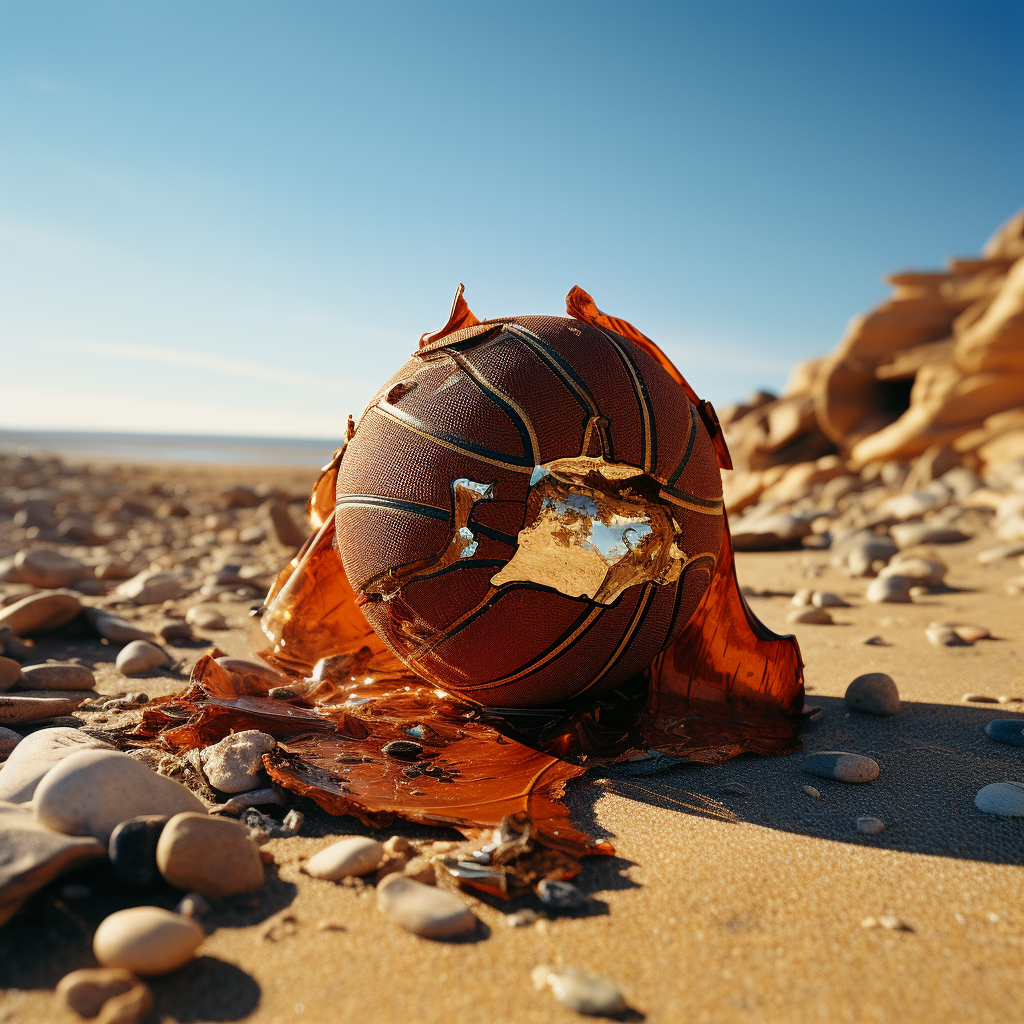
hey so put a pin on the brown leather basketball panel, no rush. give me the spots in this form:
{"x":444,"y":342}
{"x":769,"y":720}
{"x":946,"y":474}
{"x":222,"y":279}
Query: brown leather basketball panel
{"x":594,"y":361}
{"x":529,"y":622}
{"x":701,"y":476}
{"x":504,"y":516}
{"x":446,"y":401}
{"x":511,"y":365}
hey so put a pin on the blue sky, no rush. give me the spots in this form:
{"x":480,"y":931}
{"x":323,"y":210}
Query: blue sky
{"x":238,"y":217}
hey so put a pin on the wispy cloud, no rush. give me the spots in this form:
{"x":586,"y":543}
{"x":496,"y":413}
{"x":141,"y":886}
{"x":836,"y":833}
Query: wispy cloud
{"x":201,"y":361}
{"x":47,"y":85}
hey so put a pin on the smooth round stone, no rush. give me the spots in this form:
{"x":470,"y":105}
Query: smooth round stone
{"x":826,"y":599}
{"x":870,"y":826}
{"x":802,"y":598}
{"x":908,"y":535}
{"x":132,"y":850}
{"x":235,"y":764}
{"x":112,"y":627}
{"x":811,"y":615}
{"x":972,"y":634}
{"x":874,"y":693}
{"x":1005,"y":798}
{"x":49,"y":569}
{"x":922,"y":571}
{"x":842,"y":766}
{"x":424,"y":909}
{"x":151,"y":587}
{"x":39,"y":705}
{"x":212,"y":856}
{"x":36,"y":754}
{"x":88,"y":990}
{"x":58,"y":677}
{"x":146,"y":940}
{"x":90,"y":793}
{"x":561,"y":895}
{"x":889,"y":590}
{"x":9,"y":739}
{"x":140,"y":656}
{"x":1006,"y":730}
{"x":999,"y":552}
{"x":942,"y":635}
{"x":581,"y":991}
{"x":40,"y":613}
{"x":356,"y":855}
{"x":176,"y":629}
{"x":206,"y":618}
{"x":10,"y":673}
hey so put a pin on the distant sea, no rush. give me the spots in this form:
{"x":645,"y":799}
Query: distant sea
{"x":279,"y":451}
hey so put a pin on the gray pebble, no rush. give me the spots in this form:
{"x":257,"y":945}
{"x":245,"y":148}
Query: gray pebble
{"x":1005,"y":798}
{"x":873,"y":693}
{"x":561,"y":895}
{"x":580,"y":991}
{"x":870,"y":826}
{"x":840,"y":765}
{"x":889,"y":590}
{"x":1006,"y":730}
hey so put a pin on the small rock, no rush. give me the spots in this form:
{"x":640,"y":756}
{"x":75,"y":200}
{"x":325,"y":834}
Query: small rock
{"x":140,"y":656}
{"x":38,"y":705}
{"x":9,"y":739}
{"x":979,"y":698}
{"x":842,"y":766}
{"x":146,"y":940}
{"x":213,"y":856}
{"x":10,"y":673}
{"x":873,"y":693}
{"x":112,"y":627}
{"x":920,"y":571}
{"x":237,"y":805}
{"x":876,"y":641}
{"x":580,"y":991}
{"x":942,"y":635}
{"x":91,"y":792}
{"x":1005,"y":798}
{"x":292,"y":822}
{"x":203,"y":617}
{"x":40,"y":613}
{"x":757,"y":532}
{"x":350,"y":857}
{"x":908,"y":535}
{"x":971,"y":634}
{"x":193,"y":904}
{"x":176,"y":630}
{"x":12,"y":647}
{"x":889,"y":590}
{"x":92,"y":989}
{"x":888,"y":921}
{"x":870,"y":826}
{"x":423,"y":909}
{"x":49,"y":569}
{"x":802,"y":598}
{"x":31,"y":856}
{"x":132,"y":850}
{"x":421,"y":869}
{"x":826,"y":599}
{"x":999,"y":552}
{"x":235,"y":764}
{"x":522,"y":918}
{"x":811,"y":791}
{"x":112,"y":569}
{"x":397,"y":846}
{"x":1006,"y":730}
{"x":812,"y":615}
{"x":36,"y":754}
{"x":150,"y":587}
{"x":58,"y":677}
{"x":561,"y":895}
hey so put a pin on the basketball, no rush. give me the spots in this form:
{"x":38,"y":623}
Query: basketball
{"x":530,"y":509}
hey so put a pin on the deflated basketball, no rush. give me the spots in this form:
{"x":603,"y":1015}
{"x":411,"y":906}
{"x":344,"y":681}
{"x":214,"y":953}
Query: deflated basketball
{"x":530,"y":509}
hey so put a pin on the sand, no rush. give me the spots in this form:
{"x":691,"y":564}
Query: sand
{"x":717,"y":907}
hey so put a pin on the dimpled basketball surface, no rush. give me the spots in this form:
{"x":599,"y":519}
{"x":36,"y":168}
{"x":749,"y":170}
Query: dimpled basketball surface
{"x":499,"y":507}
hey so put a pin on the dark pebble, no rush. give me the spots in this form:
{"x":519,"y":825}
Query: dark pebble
{"x":561,"y":895}
{"x":402,"y":750}
{"x":1006,"y":730}
{"x":132,"y":850}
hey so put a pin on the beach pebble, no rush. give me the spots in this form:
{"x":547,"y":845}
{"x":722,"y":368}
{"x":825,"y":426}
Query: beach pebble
{"x":31,"y":856}
{"x":9,"y":739}
{"x":420,"y":869}
{"x":39,"y":705}
{"x":943,"y":635}
{"x":1005,"y":798}
{"x":861,"y":554}
{"x":10,"y":673}
{"x":889,"y":590}
{"x":810,"y":615}
{"x":146,"y":940}
{"x":580,"y":991}
{"x":111,"y":569}
{"x":132,"y":850}
{"x":980,"y":698}
{"x":356,"y":855}
{"x":1006,"y":730}
{"x":870,"y":826}
{"x":58,"y":677}
{"x":210,"y":855}
{"x":561,"y":895}
{"x":203,"y":617}
{"x":112,"y":627}
{"x":920,"y":571}
{"x":424,"y":909}
{"x":12,"y":647}
{"x":999,"y":552}
{"x":151,"y":587}
{"x":235,"y":764}
{"x":40,"y":613}
{"x":176,"y":630}
{"x":826,"y":599}
{"x":36,"y":754}
{"x":49,"y":569}
{"x":522,"y":918}
{"x":193,"y":904}
{"x":140,"y":656}
{"x":971,"y":633}
{"x":92,"y":989}
{"x":802,"y":598}
{"x":842,"y":766}
{"x":91,"y":792}
{"x":811,"y":791}
{"x":874,"y":693}
{"x":908,"y":535}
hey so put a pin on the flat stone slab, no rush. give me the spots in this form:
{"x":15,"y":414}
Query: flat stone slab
{"x":33,"y":705}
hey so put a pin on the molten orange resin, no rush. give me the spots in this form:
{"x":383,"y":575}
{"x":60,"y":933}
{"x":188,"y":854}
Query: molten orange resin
{"x":727,"y":685}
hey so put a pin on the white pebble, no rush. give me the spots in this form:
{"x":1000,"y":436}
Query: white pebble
{"x":580,"y":991}
{"x":356,"y":855}
{"x":146,"y":940}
